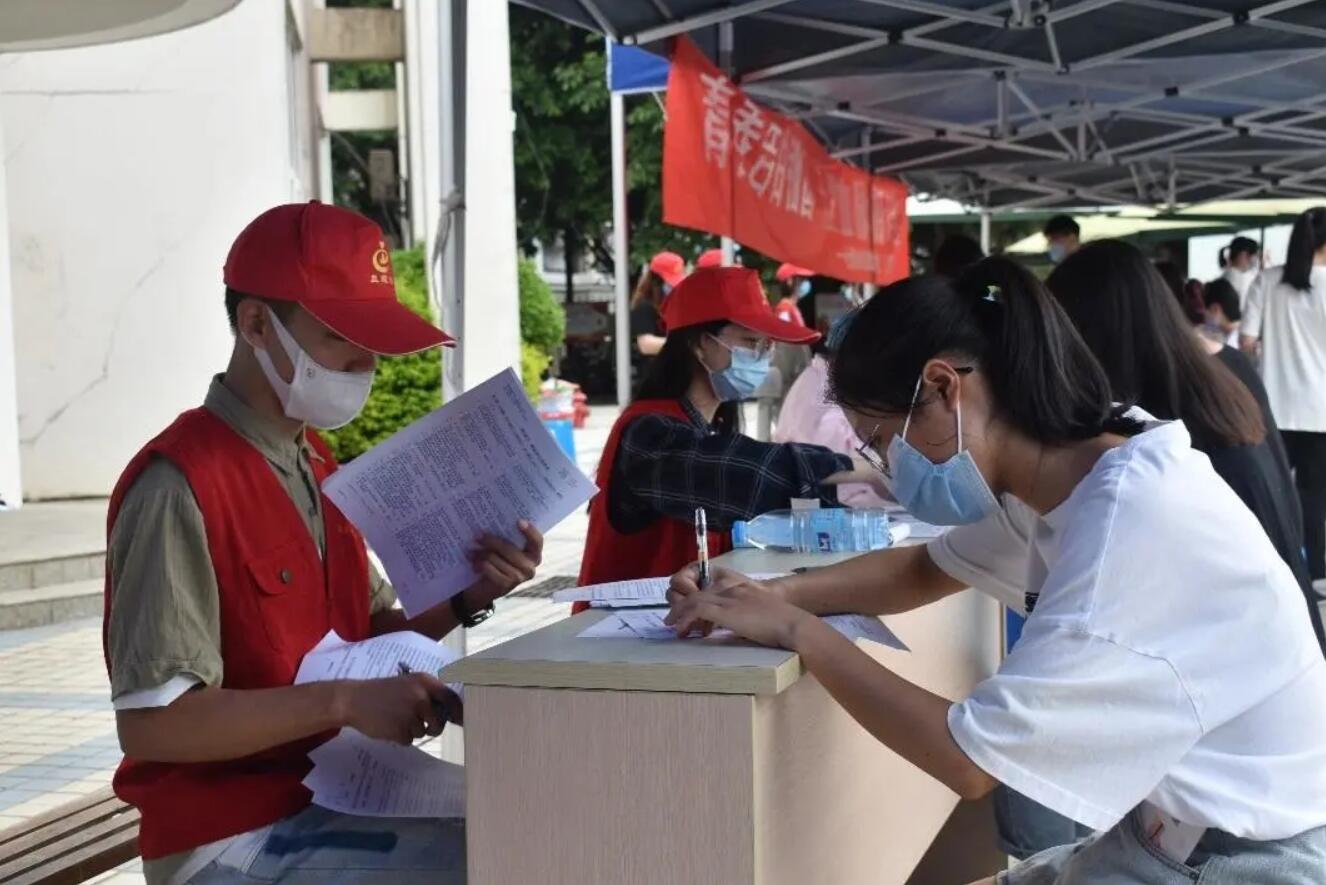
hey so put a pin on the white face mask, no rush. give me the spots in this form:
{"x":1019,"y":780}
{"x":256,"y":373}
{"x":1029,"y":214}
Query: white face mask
{"x":319,"y":396}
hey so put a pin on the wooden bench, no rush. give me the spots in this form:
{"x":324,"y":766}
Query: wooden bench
{"x":72,"y":843}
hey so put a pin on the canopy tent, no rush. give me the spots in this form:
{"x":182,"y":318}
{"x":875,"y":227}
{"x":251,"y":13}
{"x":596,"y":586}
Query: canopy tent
{"x":1027,"y":103}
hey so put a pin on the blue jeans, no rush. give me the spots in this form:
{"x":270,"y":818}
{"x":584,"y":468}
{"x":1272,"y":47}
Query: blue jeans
{"x":1122,"y":856}
{"x":1024,"y":827}
{"x":321,"y":847}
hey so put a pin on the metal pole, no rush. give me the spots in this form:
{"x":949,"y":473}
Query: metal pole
{"x":621,"y":258}
{"x":449,"y":246}
{"x":451,"y":222}
{"x":725,"y":39}
{"x":985,"y":231}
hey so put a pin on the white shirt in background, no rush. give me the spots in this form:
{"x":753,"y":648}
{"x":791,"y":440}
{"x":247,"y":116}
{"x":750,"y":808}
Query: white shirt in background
{"x":1292,"y":328}
{"x":1242,"y":281}
{"x":1168,"y":657}
{"x":807,"y":416}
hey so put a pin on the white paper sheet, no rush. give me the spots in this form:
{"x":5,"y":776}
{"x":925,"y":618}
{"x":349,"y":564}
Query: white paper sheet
{"x":648,"y":624}
{"x":355,"y":774}
{"x":632,"y":594}
{"x":376,"y":658}
{"x":478,"y":464}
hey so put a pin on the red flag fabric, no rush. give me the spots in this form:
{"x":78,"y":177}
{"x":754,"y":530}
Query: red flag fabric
{"x":734,"y":168}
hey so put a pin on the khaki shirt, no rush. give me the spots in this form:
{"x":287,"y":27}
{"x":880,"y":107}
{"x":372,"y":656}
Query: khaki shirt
{"x":165,"y":618}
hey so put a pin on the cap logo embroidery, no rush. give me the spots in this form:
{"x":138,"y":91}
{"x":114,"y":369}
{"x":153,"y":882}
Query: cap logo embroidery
{"x":381,"y":265}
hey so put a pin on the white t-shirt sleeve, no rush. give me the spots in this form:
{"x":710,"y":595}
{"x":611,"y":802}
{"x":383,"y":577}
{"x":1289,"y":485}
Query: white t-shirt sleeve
{"x":990,"y":555}
{"x":1078,"y":723}
{"x":160,"y":696}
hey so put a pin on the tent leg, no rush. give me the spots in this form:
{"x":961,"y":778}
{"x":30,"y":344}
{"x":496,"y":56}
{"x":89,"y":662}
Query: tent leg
{"x":621,"y":258}
{"x":985,"y":231}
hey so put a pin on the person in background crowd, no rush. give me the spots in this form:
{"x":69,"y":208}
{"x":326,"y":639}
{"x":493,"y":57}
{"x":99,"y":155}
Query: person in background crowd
{"x":678,"y":446}
{"x":1224,"y":312}
{"x":1239,"y":263}
{"x":1286,"y":314}
{"x":1187,"y":292}
{"x":807,"y":416}
{"x":709,"y":258}
{"x":1149,"y":698}
{"x":796,"y":285}
{"x":955,"y":254}
{"x":665,"y":271}
{"x":1122,"y":309}
{"x":790,"y":360}
{"x":1063,"y":237}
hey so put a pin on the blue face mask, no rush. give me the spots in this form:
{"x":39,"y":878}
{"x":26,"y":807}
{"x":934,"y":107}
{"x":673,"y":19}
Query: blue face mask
{"x":1058,"y":252}
{"x":744,"y":374}
{"x":803,"y":288}
{"x":952,"y":492}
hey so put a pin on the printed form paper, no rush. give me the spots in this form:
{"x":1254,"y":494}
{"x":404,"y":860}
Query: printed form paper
{"x":648,"y":624}
{"x":354,"y":774}
{"x":376,"y":658}
{"x":640,"y":592}
{"x":478,"y":464}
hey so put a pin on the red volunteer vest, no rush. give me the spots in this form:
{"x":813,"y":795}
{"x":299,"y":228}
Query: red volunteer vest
{"x":662,"y":548}
{"x":277,"y":599}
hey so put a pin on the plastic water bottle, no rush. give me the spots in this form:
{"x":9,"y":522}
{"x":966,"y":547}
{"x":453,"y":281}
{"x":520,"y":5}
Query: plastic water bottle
{"x":827,"y":530}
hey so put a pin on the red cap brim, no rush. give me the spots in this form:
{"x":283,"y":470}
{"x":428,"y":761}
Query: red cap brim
{"x":787,"y":271}
{"x":671,"y":277}
{"x":384,"y":327}
{"x":779,"y":330}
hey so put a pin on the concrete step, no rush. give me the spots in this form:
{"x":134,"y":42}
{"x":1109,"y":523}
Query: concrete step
{"x":29,"y":574}
{"x":50,"y":604}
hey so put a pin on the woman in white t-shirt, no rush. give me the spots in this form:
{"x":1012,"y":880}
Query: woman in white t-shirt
{"x":1238,"y":265}
{"x":1286,"y":314}
{"x":1148,"y":698}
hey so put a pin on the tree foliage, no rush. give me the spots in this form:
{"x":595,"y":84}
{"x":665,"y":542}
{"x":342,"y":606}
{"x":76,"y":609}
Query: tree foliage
{"x":563,"y":147}
{"x":542,"y":319}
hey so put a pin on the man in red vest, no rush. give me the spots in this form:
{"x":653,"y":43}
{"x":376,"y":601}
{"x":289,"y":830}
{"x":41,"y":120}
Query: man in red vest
{"x":226,"y":564}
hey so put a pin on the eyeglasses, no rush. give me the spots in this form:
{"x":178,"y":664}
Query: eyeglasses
{"x":867,"y":449}
{"x":760,"y":346}
{"x":871,"y":456}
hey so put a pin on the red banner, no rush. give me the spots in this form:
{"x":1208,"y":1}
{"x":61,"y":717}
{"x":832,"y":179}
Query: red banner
{"x":734,"y":168}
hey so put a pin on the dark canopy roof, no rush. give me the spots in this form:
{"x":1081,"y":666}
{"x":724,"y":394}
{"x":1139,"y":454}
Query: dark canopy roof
{"x":1026,"y":102}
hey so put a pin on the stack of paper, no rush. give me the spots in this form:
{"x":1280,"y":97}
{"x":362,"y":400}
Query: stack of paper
{"x":354,"y":774}
{"x":377,"y":658}
{"x":648,"y":624}
{"x":642,"y":592}
{"x":478,"y":464}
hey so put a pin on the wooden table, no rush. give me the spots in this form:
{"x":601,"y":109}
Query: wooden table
{"x":628,"y":762}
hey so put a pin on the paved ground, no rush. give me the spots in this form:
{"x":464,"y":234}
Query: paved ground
{"x":58,"y":738}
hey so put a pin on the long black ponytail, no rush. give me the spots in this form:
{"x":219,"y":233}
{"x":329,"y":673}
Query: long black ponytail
{"x":1044,"y":380}
{"x":1305,"y":241}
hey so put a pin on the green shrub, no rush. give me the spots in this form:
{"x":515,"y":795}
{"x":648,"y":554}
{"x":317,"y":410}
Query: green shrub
{"x":407,"y":387}
{"x":533,"y":362}
{"x":542,"y":319}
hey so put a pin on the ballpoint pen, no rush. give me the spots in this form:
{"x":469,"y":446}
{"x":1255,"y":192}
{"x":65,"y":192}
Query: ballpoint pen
{"x":702,"y":545}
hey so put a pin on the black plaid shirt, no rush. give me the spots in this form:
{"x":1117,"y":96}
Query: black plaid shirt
{"x":669,"y":467}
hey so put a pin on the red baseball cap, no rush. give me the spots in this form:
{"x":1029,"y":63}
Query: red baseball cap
{"x":710,"y":258}
{"x":733,"y":294}
{"x":335,"y":264}
{"x":787,"y":271}
{"x":670,"y":266}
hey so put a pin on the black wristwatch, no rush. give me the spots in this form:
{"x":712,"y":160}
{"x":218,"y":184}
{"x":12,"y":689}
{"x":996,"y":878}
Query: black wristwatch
{"x":469,"y":619}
